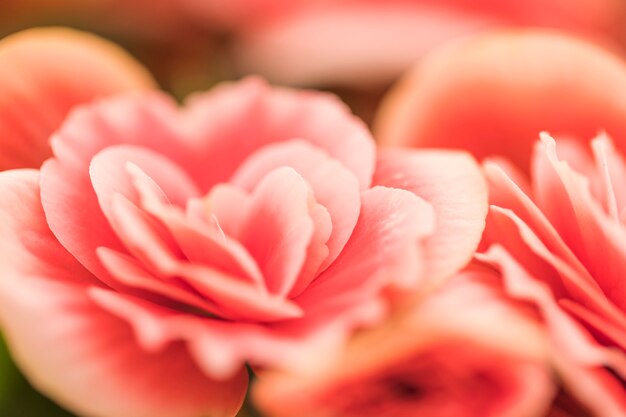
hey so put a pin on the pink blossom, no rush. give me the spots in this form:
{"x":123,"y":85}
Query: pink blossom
{"x":161,"y":249}
{"x":560,"y":244}
{"x":332,"y":42}
{"x":466,"y":350}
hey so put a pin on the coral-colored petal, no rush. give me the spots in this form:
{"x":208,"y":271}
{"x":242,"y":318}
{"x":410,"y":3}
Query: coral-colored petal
{"x":493,"y":94}
{"x":70,"y":203}
{"x":598,"y":240}
{"x":383,"y":250}
{"x":27,"y":247}
{"x":223,"y":347}
{"x":130,"y":273}
{"x":595,"y":388}
{"x":580,"y":360}
{"x":111,"y":172}
{"x":85,"y":357}
{"x":277,"y":230}
{"x":237,"y":298}
{"x":525,"y":245}
{"x":44,"y":73}
{"x":602,"y":327}
{"x":453,"y":184}
{"x":233,"y":121}
{"x":612,"y":171}
{"x":201,"y":242}
{"x":334,"y":186}
{"x":111,"y":177}
{"x":504,"y":192}
{"x":569,"y":338}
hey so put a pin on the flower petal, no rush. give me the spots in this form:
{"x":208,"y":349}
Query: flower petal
{"x":85,"y":357}
{"x":69,"y":200}
{"x":44,"y":73}
{"x":453,"y":184}
{"x":26,"y":243}
{"x":234,"y":120}
{"x":598,"y":240}
{"x":383,"y":250}
{"x":579,"y":358}
{"x":493,"y":94}
{"x":334,"y":186}
{"x":276,"y":230}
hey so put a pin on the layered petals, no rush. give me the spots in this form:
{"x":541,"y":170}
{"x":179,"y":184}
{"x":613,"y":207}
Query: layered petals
{"x":44,"y":74}
{"x":243,"y":229}
{"x":459,"y":198}
{"x":559,"y":245}
{"x":105,"y":360}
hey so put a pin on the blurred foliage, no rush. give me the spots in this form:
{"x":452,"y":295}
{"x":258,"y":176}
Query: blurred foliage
{"x":17,"y":397}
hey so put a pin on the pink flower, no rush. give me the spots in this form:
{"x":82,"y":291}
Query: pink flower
{"x":45,"y":73}
{"x":332,"y":42}
{"x":493,"y":94}
{"x":560,"y":244}
{"x":159,"y":249}
{"x":464,"y":351}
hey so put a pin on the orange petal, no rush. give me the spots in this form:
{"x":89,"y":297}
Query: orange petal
{"x":44,"y":73}
{"x":493,"y":95}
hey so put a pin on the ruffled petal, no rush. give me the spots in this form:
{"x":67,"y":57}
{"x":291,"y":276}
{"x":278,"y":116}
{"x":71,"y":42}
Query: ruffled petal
{"x":45,"y":73}
{"x":385,"y":249}
{"x":334,"y":186}
{"x":578,"y":358}
{"x":235,"y":120}
{"x":570,"y":339}
{"x":85,"y":357}
{"x":598,"y":240}
{"x":27,"y":247}
{"x":453,"y":183}
{"x":69,"y":200}
{"x":276,"y":230}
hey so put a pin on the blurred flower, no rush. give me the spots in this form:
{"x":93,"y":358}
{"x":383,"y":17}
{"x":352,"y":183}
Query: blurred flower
{"x":165,"y":248}
{"x":493,"y":94}
{"x":464,"y":351}
{"x":138,"y":18}
{"x":330,"y":42}
{"x":44,"y":74}
{"x":560,"y":244}
{"x":181,"y":56}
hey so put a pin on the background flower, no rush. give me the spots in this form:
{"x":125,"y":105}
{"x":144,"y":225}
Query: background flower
{"x":44,"y":74}
{"x":465,"y":350}
{"x":370,"y":42}
{"x":493,"y":94}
